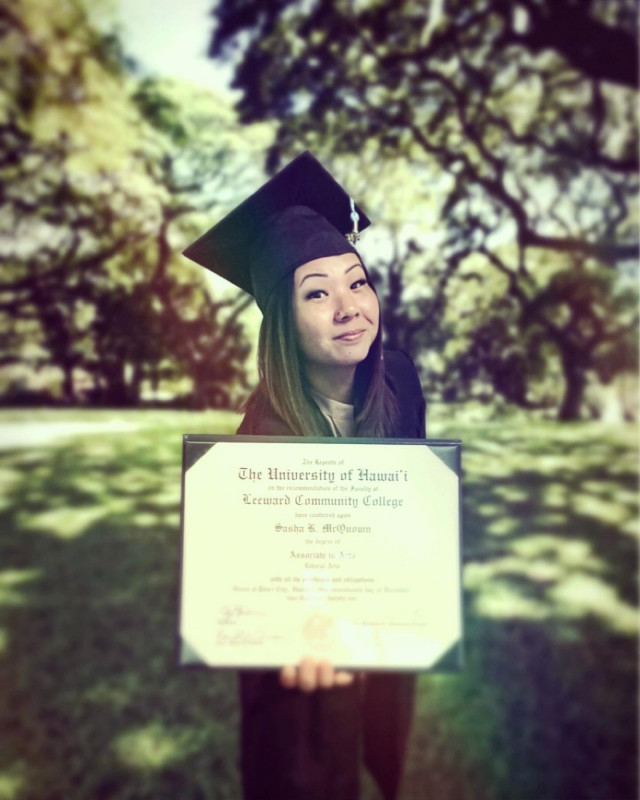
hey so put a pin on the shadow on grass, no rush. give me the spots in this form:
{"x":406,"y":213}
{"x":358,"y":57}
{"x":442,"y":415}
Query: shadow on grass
{"x":546,"y":708}
{"x":93,"y":707}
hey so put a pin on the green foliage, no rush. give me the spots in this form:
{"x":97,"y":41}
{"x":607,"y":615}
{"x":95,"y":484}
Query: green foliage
{"x":518,"y":125}
{"x":578,"y":322}
{"x":160,"y":110}
{"x":91,"y":704}
{"x":104,"y":177}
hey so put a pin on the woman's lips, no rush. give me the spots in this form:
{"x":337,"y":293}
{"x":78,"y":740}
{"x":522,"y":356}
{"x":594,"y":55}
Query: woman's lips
{"x":350,"y":336}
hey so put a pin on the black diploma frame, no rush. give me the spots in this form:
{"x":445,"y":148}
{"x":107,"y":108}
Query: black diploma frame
{"x":344,"y":549}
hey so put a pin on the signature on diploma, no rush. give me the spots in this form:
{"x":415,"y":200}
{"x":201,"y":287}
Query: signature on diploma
{"x":229,"y":615}
{"x":235,"y":633}
{"x":238,"y":637}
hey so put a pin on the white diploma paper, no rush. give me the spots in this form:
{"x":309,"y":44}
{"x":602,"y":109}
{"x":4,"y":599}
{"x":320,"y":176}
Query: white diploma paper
{"x":344,"y":551}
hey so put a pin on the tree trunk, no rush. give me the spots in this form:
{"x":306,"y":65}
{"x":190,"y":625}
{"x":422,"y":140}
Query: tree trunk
{"x":116,"y":390}
{"x":68,"y":395}
{"x":575,"y":383}
{"x":135,"y":385}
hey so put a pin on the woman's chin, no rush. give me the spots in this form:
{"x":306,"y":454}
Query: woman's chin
{"x":352,"y":354}
{"x":350,"y":359}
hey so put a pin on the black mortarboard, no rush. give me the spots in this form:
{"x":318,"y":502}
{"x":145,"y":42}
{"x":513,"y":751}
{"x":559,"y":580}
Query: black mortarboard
{"x":301,"y":214}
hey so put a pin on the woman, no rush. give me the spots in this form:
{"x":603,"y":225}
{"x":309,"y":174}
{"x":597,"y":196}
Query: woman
{"x":322,"y":373}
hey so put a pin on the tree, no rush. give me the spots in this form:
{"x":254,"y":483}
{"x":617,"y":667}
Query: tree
{"x":202,"y":170}
{"x":520,"y":117}
{"x":593,"y":325}
{"x":101,"y":178}
{"x":60,"y":183}
{"x":576,"y":321}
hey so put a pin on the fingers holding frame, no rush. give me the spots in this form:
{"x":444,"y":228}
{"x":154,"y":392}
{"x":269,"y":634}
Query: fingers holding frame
{"x":311,"y":675}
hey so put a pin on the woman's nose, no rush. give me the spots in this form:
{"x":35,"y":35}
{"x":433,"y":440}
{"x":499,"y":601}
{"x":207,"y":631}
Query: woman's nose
{"x":345,"y":310}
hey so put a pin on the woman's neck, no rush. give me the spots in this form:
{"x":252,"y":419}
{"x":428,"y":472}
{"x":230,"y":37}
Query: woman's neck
{"x":334,"y":382}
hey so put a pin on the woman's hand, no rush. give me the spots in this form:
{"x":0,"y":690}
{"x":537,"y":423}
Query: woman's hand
{"x":310,"y":675}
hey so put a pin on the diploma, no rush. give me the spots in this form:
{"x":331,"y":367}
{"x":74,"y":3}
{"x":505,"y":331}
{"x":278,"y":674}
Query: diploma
{"x":343,"y":549}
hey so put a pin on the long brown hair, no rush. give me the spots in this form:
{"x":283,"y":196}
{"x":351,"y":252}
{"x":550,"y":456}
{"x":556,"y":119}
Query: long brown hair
{"x":283,"y":379}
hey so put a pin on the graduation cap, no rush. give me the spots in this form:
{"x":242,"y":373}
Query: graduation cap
{"x":301,"y":214}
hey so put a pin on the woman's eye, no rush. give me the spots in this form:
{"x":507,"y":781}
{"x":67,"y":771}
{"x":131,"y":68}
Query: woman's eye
{"x":316,"y":293}
{"x":359,"y":283}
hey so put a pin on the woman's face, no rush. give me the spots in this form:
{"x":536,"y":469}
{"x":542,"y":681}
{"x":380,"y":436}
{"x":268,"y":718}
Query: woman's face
{"x":336,"y":311}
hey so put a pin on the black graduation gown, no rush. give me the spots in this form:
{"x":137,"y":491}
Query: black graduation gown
{"x":299,"y":746}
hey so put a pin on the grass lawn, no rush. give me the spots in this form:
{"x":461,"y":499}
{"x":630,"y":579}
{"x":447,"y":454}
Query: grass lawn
{"x":92,"y":707}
